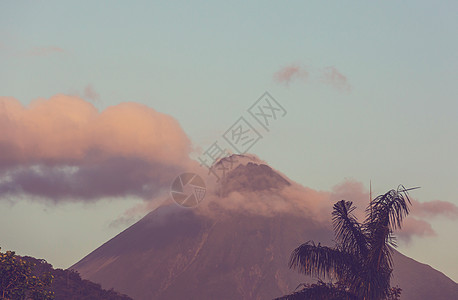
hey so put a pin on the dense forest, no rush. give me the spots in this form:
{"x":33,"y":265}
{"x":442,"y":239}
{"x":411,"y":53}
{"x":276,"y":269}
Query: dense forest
{"x":47,"y":282}
{"x":68,"y":284}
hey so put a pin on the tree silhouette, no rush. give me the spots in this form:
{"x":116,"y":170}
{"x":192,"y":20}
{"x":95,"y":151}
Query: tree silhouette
{"x":17,"y":281}
{"x":361,"y":260}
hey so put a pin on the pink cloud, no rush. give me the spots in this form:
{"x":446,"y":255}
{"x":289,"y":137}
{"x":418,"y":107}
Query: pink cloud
{"x":416,"y":224}
{"x":329,"y":76}
{"x":435,"y":208}
{"x":412,"y":226}
{"x":43,"y":51}
{"x":63,"y":147}
{"x":334,"y":78}
{"x":351,"y":190}
{"x":415,"y":227}
{"x":354,"y":191}
{"x":290,"y":73}
{"x":63,"y":129}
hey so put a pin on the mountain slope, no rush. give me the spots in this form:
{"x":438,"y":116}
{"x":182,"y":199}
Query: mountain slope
{"x":221,"y":251}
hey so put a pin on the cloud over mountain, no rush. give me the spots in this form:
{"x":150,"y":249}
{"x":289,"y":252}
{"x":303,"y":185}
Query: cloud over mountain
{"x":255,"y":188}
{"x":236,"y":243}
{"x":63,"y":149}
{"x":435,"y":208}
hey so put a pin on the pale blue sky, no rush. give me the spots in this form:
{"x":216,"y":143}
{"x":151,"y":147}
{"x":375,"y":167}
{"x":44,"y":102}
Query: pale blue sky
{"x":206,"y":63}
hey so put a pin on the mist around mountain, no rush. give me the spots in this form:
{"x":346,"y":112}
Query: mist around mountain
{"x":235,"y":244}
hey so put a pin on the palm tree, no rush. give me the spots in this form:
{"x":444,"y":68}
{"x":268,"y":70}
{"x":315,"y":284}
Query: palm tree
{"x":361,"y":260}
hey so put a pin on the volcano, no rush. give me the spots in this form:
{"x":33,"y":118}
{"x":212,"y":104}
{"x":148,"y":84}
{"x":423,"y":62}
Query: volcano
{"x":235,"y":245}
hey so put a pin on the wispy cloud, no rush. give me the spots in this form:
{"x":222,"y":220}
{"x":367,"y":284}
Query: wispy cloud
{"x":435,"y":208}
{"x":90,"y":93}
{"x":329,"y":76}
{"x":317,"y":205}
{"x":415,"y":227}
{"x":291,"y":73}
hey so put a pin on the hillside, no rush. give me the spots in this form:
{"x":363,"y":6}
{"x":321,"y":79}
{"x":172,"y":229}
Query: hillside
{"x":68,"y":284}
{"x":223,"y":249}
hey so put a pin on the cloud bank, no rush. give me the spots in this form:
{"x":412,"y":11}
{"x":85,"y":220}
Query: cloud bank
{"x":417,"y":224}
{"x":435,"y":208}
{"x":63,"y":148}
{"x":317,"y":205}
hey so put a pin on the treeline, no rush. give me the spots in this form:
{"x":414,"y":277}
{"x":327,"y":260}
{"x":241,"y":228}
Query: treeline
{"x":17,"y":273}
{"x":68,"y":284}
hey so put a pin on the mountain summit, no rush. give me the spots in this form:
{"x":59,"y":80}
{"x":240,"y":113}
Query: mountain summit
{"x":235,"y":245}
{"x":247,"y":173}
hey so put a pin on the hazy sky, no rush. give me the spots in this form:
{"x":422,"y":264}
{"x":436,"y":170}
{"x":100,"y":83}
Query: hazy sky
{"x":370,"y":91}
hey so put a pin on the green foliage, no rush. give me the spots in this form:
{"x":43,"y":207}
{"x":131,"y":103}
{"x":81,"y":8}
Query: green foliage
{"x":331,"y":291}
{"x":361,"y":259}
{"x":321,"y":291}
{"x":17,"y":281}
{"x":68,"y":284}
{"x":28,"y":278}
{"x":395,"y":293}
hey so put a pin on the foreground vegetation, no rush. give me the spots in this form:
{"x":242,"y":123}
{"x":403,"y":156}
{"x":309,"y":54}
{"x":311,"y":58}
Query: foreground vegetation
{"x":360,"y":262}
{"x":19,"y":281}
{"x":28,"y":278}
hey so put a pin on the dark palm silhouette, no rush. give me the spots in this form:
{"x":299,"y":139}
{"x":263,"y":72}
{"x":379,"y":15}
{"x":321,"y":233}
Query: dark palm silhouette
{"x":361,"y":260}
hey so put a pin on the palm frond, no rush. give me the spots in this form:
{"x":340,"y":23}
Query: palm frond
{"x":349,"y":232}
{"x":372,"y":284}
{"x":322,"y":261}
{"x":384,"y":215}
{"x":389,"y":209}
{"x":320,"y":291}
{"x":362,"y":258}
